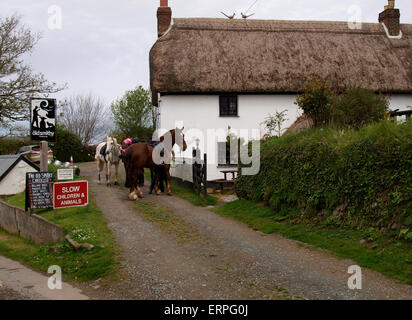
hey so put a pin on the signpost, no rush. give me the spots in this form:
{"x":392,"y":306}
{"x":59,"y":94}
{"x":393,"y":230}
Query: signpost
{"x":70,"y":194}
{"x":43,"y":126}
{"x":39,"y":190}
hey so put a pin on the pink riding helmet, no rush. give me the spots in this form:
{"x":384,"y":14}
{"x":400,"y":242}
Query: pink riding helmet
{"x":128,"y":141}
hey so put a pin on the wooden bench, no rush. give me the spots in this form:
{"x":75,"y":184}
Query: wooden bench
{"x":222,"y":183}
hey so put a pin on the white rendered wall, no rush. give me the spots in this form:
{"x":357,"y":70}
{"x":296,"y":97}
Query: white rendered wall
{"x":400,"y":101}
{"x":15,"y":181}
{"x":202,"y":112}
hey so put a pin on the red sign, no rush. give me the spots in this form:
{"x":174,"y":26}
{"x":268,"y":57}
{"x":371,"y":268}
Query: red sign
{"x":70,"y":194}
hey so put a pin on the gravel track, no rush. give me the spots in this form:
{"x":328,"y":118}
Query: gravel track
{"x":193,"y":253}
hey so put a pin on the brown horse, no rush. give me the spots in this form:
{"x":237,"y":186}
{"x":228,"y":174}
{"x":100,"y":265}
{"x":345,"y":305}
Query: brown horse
{"x":140,"y":156}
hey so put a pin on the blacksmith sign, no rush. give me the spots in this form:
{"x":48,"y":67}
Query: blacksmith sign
{"x":43,"y":120}
{"x":39,"y":190}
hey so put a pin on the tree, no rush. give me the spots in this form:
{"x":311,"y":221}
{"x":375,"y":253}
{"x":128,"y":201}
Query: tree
{"x":85,"y":116}
{"x":18,"y":83}
{"x":316,"y":100}
{"x":69,"y":144}
{"x":275,"y":122}
{"x":134,"y":114}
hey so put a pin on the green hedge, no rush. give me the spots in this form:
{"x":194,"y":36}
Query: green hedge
{"x":69,"y":144}
{"x":367,"y":174}
{"x":11,"y":145}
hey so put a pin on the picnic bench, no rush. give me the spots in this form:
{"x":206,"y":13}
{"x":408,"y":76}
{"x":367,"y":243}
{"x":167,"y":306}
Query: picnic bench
{"x":222,"y":183}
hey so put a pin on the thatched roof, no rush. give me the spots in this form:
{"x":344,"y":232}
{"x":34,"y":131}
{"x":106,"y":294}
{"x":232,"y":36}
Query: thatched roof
{"x":255,"y":56}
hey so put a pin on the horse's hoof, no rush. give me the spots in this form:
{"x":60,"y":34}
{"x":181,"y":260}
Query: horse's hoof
{"x":98,"y":182}
{"x":116,"y":183}
{"x":133,"y":197}
{"x":169,"y":194}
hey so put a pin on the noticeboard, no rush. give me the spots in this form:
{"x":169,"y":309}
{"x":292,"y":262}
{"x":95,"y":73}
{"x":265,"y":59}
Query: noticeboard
{"x":65,"y":174}
{"x":39,"y":190}
{"x":43,"y":120}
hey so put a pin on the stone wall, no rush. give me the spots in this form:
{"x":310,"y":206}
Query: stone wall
{"x":32,"y":227}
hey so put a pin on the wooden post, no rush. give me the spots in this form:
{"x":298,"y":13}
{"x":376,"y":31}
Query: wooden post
{"x":44,"y":152}
{"x":205,"y":177}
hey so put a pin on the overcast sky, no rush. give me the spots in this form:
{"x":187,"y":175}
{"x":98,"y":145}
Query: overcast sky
{"x":103,"y":45}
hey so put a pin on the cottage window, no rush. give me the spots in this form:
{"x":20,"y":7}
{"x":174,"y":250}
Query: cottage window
{"x":228,"y":106}
{"x":225,"y":157}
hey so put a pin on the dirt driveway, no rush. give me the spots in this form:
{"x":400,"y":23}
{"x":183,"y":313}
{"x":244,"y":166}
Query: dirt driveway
{"x":174,"y":250}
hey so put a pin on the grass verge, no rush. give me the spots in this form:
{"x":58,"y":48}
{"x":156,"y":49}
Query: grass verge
{"x":187,"y":194}
{"x":192,"y":197}
{"x":384,"y":254}
{"x":83,"y":224}
{"x":183,"y":231}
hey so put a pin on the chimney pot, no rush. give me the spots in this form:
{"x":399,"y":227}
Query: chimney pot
{"x":164,"y":3}
{"x":391,"y":18}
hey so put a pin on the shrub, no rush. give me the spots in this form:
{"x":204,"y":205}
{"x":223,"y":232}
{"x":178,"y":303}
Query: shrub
{"x":357,"y":107}
{"x":69,"y":144}
{"x":368,"y":172}
{"x":316,"y":100}
{"x":10,"y":145}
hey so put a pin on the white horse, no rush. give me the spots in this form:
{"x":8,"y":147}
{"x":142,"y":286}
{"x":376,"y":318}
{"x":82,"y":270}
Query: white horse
{"x":108,"y":153}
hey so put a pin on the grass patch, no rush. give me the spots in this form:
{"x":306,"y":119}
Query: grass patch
{"x":173,"y":225}
{"x":187,"y":194}
{"x":192,"y":197}
{"x":381,"y":253}
{"x":83,"y":224}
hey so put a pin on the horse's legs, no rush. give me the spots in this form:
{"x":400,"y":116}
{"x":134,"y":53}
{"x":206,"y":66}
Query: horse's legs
{"x":100,"y":167}
{"x":116,"y":166}
{"x":157,"y":171}
{"x":167,"y":171}
{"x":108,"y":174}
{"x":152,"y":180}
{"x":132,"y":181}
{"x":138,"y":174}
{"x":133,"y":196}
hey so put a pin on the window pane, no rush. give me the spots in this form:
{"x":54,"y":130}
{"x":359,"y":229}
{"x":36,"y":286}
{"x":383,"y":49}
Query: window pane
{"x":228,"y":105}
{"x":221,"y":152}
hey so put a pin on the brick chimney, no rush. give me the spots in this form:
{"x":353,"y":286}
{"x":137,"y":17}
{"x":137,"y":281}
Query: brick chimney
{"x":164,"y":17}
{"x":391,"y":18}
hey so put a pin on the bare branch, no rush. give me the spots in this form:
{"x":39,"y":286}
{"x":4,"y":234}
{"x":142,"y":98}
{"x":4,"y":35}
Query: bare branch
{"x":84,"y":115}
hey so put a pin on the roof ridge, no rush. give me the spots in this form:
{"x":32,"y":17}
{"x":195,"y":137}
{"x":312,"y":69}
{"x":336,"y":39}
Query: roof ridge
{"x":279,"y":25}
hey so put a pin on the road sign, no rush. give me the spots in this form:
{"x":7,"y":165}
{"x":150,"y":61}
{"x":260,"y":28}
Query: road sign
{"x":64,"y":174}
{"x":43,"y":120}
{"x":70,"y":194}
{"x":39,"y":190}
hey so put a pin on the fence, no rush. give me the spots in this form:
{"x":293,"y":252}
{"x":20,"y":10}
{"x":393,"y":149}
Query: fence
{"x":192,"y":171}
{"x":199,"y":169}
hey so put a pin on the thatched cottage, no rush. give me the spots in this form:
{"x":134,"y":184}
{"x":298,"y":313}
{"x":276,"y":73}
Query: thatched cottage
{"x":231,"y":73}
